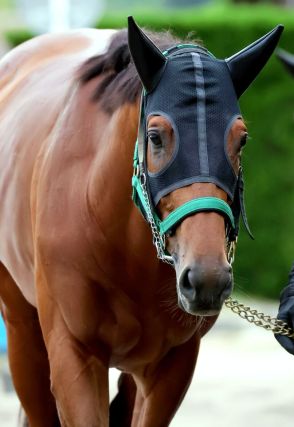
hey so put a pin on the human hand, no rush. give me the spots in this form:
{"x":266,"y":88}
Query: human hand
{"x":286,"y":312}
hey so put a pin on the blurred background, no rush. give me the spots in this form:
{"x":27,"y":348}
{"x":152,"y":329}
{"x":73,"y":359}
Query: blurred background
{"x":240,"y":369}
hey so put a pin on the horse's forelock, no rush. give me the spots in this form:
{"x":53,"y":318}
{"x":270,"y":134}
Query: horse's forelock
{"x":120,"y":83}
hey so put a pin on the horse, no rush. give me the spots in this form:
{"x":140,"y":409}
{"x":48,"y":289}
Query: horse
{"x":82,"y":286}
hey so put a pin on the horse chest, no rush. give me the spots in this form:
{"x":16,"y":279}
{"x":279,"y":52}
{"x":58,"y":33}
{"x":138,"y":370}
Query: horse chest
{"x":149,"y":337}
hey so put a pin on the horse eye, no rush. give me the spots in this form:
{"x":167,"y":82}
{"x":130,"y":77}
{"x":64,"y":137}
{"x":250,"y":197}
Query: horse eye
{"x":154,"y":137}
{"x":244,"y":139}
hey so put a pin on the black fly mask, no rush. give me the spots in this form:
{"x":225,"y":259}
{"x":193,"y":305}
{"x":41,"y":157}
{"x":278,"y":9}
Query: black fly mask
{"x":198,"y":94}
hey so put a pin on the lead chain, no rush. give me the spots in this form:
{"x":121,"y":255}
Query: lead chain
{"x":259,"y":319}
{"x":158,"y":240}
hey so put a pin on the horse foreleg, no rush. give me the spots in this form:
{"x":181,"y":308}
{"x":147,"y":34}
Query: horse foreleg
{"x":121,"y":407}
{"x":27,"y":355}
{"x":79,"y":381}
{"x":163,"y":387}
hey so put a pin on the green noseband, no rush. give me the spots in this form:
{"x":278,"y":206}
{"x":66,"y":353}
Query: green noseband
{"x":202,"y":204}
{"x":193,"y":206}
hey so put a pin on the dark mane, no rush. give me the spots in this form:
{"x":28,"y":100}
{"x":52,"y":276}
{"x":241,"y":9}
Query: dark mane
{"x":120,"y":83}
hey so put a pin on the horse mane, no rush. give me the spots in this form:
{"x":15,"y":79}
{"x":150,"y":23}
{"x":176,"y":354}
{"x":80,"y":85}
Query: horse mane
{"x":119,"y":83}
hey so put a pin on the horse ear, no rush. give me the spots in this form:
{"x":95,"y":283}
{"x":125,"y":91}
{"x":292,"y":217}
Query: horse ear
{"x":287,"y":59}
{"x":148,"y":59}
{"x":245,"y":65}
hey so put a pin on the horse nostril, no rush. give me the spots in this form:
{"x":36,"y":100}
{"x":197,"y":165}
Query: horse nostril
{"x":199,"y":282}
{"x":229,"y":269}
{"x":192,"y":278}
{"x":187,"y":284}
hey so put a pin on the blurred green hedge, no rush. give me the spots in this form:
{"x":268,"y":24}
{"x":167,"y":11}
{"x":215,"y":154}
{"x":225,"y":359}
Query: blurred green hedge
{"x":262,"y":265}
{"x":18,"y":36}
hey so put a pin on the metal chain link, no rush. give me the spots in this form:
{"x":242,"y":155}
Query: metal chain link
{"x":259,"y":319}
{"x":231,"y":248}
{"x":253,"y":316}
{"x":158,"y":239}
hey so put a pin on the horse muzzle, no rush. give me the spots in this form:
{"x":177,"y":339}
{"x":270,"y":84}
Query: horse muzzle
{"x":202,"y":290}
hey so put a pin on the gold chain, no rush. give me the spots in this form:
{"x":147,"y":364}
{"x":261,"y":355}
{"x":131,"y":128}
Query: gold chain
{"x":259,"y":319}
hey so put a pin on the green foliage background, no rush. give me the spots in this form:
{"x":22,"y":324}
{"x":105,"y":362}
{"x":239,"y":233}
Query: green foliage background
{"x":262,"y":265}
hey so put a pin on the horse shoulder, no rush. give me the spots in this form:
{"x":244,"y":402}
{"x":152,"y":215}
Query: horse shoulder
{"x":36,"y":82}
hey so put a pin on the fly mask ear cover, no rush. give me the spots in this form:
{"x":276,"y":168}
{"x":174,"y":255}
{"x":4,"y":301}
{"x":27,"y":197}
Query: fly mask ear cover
{"x":197,"y":94}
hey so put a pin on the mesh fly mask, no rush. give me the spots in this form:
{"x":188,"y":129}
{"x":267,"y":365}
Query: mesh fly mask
{"x":198,"y":95}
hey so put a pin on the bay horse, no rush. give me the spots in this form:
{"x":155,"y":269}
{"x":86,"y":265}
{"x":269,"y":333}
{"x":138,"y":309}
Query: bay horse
{"x":81,"y":287}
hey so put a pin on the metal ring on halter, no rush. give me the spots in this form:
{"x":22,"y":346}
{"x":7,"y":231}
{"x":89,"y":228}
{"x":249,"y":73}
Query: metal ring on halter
{"x":136,"y":171}
{"x":143,"y":178}
{"x":169,"y":259}
{"x":231,"y":247}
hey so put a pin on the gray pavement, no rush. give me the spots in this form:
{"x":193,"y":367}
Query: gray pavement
{"x":243,"y":378}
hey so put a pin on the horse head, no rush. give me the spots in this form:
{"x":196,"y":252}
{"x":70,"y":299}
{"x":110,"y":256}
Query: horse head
{"x":191,"y":136}
{"x":287,"y":60}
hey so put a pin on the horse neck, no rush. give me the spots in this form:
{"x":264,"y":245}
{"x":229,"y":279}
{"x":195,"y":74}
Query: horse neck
{"x":112,"y":167}
{"x":109,"y":192}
